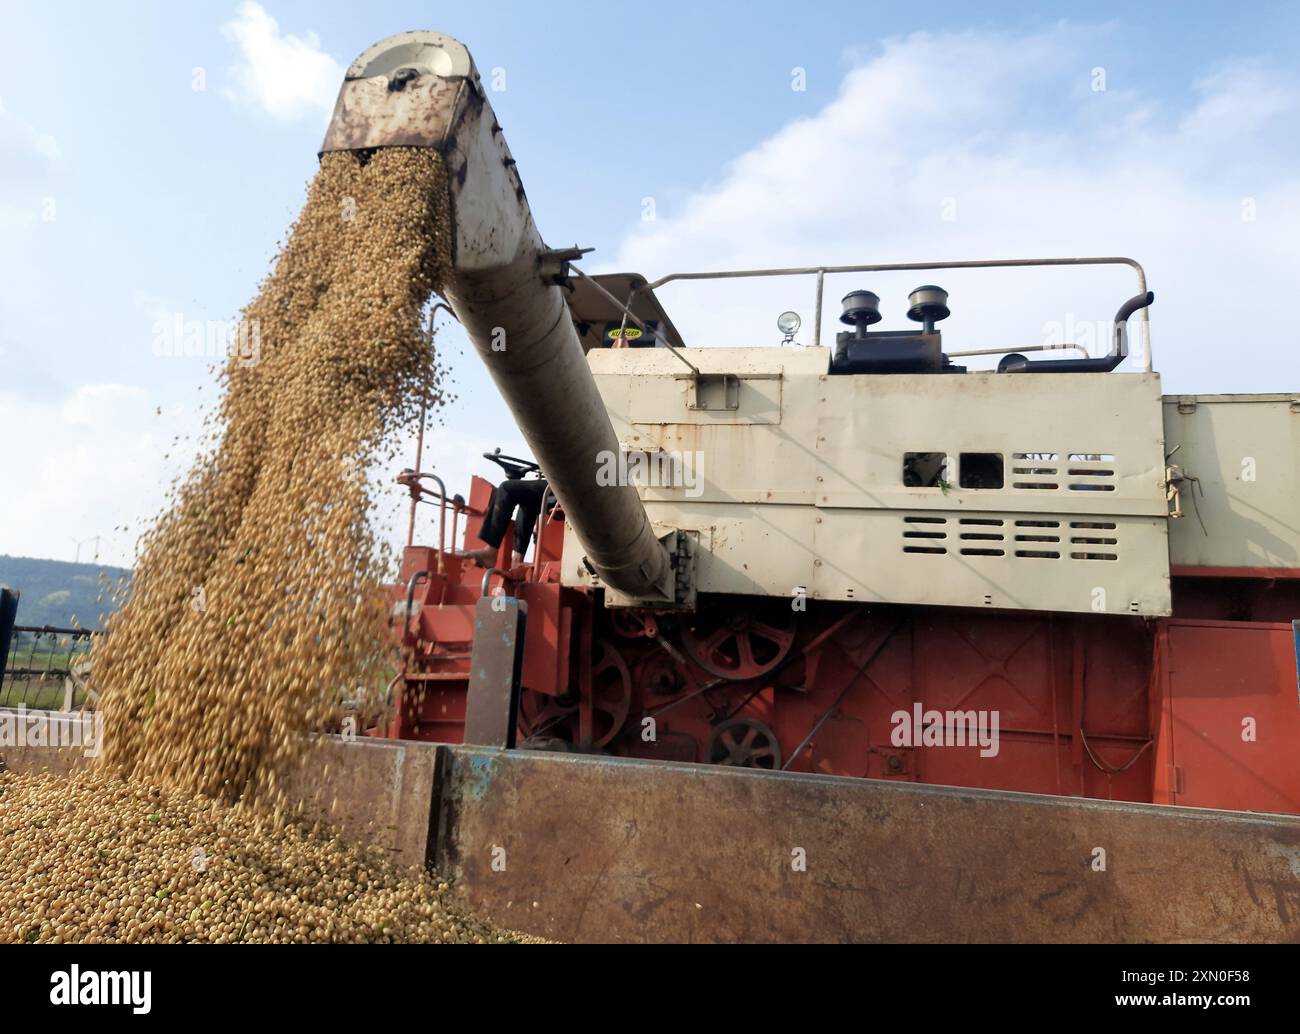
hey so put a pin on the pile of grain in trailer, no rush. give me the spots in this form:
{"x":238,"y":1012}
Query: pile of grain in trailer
{"x":86,"y":859}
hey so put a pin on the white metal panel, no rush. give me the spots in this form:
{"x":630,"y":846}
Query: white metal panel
{"x":814,"y":496}
{"x":1245,"y":449}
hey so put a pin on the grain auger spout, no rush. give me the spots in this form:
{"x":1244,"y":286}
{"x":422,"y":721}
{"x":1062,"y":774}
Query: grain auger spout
{"x":421,"y":89}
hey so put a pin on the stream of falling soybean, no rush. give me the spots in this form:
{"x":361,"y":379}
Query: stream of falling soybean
{"x":254,"y":605}
{"x":254,"y":609}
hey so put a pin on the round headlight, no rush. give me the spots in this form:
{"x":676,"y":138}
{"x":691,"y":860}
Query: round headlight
{"x":788,"y":323}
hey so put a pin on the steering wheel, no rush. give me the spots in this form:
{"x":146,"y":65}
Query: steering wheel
{"x":515,"y":468}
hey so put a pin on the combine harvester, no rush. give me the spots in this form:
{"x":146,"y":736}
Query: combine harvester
{"x":874,"y":648}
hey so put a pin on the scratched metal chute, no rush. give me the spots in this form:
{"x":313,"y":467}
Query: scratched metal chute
{"x":421,"y":89}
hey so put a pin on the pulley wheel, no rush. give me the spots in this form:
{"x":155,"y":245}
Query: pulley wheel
{"x":611,"y":685}
{"x":747,"y":643}
{"x":744,"y":743}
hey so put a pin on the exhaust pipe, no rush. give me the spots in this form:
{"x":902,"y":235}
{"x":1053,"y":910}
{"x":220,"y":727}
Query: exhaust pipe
{"x":421,"y":89}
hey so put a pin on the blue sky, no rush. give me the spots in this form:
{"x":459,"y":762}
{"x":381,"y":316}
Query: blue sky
{"x":924,"y":131}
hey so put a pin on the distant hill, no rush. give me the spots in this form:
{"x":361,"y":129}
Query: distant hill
{"x":53,"y":592}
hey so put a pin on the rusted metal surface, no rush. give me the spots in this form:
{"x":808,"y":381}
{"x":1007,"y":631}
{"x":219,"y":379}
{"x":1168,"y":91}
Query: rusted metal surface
{"x":421,"y":89}
{"x":600,"y":849}
{"x":494,"y":671}
{"x":1229,"y":716}
{"x":616,"y":850}
{"x":371,"y":791}
{"x":369,"y":114}
{"x":403,"y":91}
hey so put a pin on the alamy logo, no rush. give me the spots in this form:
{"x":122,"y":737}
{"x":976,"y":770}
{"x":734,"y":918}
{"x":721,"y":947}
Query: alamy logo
{"x":21,"y":728}
{"x":123,"y":987}
{"x":661,"y":469}
{"x":174,"y":337}
{"x":921,"y":728}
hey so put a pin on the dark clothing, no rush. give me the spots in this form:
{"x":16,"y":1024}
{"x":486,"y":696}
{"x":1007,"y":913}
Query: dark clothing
{"x":517,"y":498}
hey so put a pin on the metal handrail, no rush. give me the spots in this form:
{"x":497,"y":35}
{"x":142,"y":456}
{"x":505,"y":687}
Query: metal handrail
{"x":410,"y":598}
{"x":821,"y":271}
{"x":419,"y":441}
{"x":442,"y":518}
{"x":487,"y":579}
{"x":411,"y":479}
{"x":1019,"y":348}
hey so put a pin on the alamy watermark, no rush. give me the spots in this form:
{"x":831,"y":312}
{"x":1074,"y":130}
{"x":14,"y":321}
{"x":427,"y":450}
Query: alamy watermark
{"x":661,"y":469}
{"x":176,"y":337}
{"x":38,"y":728}
{"x":73,"y":986}
{"x":921,"y":728}
{"x":1095,"y":337}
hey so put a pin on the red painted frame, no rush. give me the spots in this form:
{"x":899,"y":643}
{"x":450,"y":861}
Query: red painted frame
{"x":1098,"y":706}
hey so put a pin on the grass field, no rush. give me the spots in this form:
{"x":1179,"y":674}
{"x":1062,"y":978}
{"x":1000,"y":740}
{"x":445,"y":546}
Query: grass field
{"x":43,"y":694}
{"x":38,"y":692}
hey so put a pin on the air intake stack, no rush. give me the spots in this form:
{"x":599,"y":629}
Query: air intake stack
{"x":892,"y":351}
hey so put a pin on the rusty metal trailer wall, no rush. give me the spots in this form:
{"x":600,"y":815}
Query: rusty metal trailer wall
{"x":602,"y":849}
{"x":596,"y":849}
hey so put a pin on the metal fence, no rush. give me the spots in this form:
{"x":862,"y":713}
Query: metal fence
{"x":45,"y":667}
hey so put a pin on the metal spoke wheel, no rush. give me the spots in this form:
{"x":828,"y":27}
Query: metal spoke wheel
{"x":610,"y":703}
{"x":744,"y":743}
{"x":660,"y":677}
{"x":628,"y":623}
{"x":541,"y":715}
{"x":747,"y":643}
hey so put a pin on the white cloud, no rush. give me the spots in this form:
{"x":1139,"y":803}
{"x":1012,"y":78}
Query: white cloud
{"x":286,"y":76}
{"x":47,"y":146}
{"x":26,"y":154}
{"x":1005,"y":135}
{"x":94,"y":462}
{"x":98,"y":461}
{"x":13,"y":217}
{"x":153,"y":306}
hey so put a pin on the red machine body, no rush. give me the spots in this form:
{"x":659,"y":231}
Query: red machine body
{"x":1196,"y":709}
